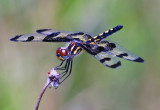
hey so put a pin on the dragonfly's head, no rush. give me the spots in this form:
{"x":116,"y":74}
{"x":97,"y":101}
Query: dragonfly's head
{"x":62,"y":54}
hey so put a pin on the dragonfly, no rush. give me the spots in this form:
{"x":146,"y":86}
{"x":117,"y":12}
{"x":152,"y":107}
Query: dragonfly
{"x":105,"y":51}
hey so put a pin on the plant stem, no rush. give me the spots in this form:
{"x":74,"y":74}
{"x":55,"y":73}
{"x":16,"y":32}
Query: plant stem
{"x":41,"y":94}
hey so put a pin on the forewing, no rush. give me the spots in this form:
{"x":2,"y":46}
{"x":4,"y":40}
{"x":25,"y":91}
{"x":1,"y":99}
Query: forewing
{"x":119,"y":51}
{"x":50,"y":35}
{"x":45,"y":35}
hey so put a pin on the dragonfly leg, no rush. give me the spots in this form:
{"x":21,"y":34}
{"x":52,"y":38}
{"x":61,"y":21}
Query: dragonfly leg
{"x":61,"y":68}
{"x":68,"y":68}
{"x":60,"y":64}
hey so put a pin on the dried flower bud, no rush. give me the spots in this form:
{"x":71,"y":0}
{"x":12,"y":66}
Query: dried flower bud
{"x":53,"y":77}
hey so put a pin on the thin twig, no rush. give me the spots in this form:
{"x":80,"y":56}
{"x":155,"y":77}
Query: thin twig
{"x":41,"y":94}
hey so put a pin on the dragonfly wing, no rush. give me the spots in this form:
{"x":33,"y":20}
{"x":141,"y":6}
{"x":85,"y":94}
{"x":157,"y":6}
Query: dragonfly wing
{"x":98,"y":52}
{"x":41,"y":37}
{"x":50,"y":35}
{"x":119,"y":51}
{"x":108,"y":53}
{"x":108,"y":60}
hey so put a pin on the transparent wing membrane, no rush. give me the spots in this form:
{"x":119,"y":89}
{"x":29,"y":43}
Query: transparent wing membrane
{"x":121,"y":52}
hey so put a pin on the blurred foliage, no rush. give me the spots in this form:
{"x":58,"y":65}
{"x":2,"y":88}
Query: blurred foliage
{"x":91,"y":85}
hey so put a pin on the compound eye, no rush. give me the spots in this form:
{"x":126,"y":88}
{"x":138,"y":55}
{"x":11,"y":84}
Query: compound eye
{"x":58,"y":51}
{"x":62,"y":52}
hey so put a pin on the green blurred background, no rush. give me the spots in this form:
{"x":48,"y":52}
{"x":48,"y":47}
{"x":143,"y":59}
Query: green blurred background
{"x":91,"y":86}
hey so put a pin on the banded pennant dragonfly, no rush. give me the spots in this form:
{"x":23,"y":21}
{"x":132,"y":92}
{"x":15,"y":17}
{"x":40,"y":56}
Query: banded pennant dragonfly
{"x":107,"y":52}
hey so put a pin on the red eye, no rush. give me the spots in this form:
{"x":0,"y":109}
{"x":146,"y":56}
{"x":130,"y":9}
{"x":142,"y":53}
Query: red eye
{"x":58,"y":50}
{"x":62,"y":52}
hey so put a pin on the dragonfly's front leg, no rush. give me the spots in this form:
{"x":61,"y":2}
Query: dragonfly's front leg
{"x":64,"y":74}
{"x":69,"y":67}
{"x":66,"y":68}
{"x":61,"y":68}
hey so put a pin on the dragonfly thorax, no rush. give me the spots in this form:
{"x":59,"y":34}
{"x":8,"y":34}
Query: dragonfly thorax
{"x":62,"y":54}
